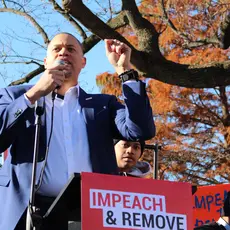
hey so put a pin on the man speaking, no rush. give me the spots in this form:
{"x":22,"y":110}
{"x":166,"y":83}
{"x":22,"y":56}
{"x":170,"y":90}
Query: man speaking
{"x":78,"y":128}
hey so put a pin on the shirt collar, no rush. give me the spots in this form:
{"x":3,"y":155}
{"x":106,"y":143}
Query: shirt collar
{"x":222,"y":222}
{"x":74,"y":90}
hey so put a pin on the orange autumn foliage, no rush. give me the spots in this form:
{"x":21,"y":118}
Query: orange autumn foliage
{"x":193,"y":125}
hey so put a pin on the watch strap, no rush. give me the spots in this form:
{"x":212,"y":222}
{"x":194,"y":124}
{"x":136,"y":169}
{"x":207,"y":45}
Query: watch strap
{"x":129,"y":75}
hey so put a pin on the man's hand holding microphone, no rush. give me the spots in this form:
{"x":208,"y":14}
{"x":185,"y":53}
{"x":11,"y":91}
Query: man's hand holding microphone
{"x":52,"y":79}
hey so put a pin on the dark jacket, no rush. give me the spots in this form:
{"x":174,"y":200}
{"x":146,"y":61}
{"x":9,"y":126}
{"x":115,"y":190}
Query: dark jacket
{"x":141,"y":169}
{"x":105,"y":119}
{"x":211,"y":226}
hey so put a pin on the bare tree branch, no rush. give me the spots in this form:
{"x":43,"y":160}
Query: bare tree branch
{"x":29,"y":76}
{"x":149,"y":63}
{"x":21,"y":62}
{"x":31,"y":19}
{"x":4,"y":3}
{"x":96,"y":26}
{"x":148,"y":59}
{"x":225,"y":106}
{"x":225,"y":30}
{"x":93,"y":23}
{"x":144,"y":30}
{"x":16,"y":4}
{"x":115,"y":23}
{"x":188,"y":43}
{"x":193,"y":175}
{"x":119,"y":21}
{"x":68,"y":17}
{"x":19,"y":56}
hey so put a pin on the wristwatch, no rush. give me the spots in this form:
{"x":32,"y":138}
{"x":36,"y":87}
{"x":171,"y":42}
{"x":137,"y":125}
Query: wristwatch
{"x":129,"y":75}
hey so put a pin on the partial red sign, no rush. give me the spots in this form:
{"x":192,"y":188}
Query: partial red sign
{"x":208,"y":202}
{"x":116,"y":202}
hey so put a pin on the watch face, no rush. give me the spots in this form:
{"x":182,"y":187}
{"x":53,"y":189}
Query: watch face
{"x":132,"y":75}
{"x":126,"y":77}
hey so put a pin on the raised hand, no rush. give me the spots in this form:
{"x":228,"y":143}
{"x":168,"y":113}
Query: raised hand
{"x":118,"y":54}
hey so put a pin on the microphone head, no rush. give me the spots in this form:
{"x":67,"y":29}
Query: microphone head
{"x":60,"y":62}
{"x":39,"y":107}
{"x":63,"y":62}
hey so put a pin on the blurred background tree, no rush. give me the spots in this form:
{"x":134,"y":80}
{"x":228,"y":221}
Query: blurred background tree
{"x":181,"y":48}
{"x":160,"y":32}
{"x":192,"y":124}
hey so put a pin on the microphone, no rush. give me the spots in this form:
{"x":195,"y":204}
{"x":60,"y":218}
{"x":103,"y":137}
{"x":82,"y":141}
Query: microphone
{"x":63,"y":62}
{"x":59,"y":62}
{"x":39,"y":107}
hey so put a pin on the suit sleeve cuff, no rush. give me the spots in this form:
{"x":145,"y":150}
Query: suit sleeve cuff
{"x":28,"y":102}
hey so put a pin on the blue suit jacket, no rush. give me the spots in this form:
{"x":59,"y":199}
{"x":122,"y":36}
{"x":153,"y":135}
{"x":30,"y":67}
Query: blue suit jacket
{"x":105,"y":119}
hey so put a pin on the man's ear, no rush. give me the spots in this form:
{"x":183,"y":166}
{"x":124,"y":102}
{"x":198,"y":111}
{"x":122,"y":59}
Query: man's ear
{"x":83,"y":62}
{"x":45,"y":62}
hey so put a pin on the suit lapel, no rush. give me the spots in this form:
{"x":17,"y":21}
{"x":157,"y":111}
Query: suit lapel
{"x":87,"y":103}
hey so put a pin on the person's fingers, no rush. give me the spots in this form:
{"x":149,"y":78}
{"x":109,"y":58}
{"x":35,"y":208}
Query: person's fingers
{"x":54,"y":77}
{"x":58,"y":66}
{"x":56,"y":72}
{"x":59,"y":76}
{"x":58,"y":82}
{"x":108,"y":43}
{"x":113,"y":48}
{"x":120,"y":49}
{"x":117,"y":49}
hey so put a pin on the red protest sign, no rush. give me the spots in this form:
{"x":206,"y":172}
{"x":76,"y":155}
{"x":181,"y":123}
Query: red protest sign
{"x":115,"y":202}
{"x":207,"y":203}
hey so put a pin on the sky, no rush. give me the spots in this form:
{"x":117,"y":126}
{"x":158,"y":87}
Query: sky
{"x":17,"y":26}
{"x":13,"y":26}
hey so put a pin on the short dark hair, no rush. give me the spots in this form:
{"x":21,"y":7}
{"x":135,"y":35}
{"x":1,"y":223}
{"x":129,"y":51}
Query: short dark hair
{"x":142,"y":143}
{"x":67,"y":34}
